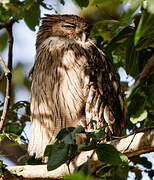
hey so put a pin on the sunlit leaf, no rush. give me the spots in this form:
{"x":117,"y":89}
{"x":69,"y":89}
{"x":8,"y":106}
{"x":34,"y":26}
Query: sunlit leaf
{"x":2,"y":136}
{"x":138,"y":31}
{"x":78,"y":176}
{"x":142,"y":116}
{"x":14,"y":137}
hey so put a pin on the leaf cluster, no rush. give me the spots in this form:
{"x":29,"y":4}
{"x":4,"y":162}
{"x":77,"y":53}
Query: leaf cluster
{"x":17,"y":116}
{"x":65,"y":149}
{"x":28,"y":10}
{"x":116,"y":165}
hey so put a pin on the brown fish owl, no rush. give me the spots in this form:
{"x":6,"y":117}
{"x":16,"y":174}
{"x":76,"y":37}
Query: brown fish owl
{"x":72,"y":83}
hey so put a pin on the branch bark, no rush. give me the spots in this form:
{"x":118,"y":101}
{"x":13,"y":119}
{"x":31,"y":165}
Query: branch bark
{"x":7,"y":70}
{"x":9,"y":23}
{"x":7,"y":97}
{"x":135,"y":144}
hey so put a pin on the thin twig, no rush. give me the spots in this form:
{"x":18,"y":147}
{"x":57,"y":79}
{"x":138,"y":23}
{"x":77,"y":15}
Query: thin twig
{"x":7,"y":71}
{"x":130,"y":143}
{"x":7,"y":97}
{"x":4,"y":67}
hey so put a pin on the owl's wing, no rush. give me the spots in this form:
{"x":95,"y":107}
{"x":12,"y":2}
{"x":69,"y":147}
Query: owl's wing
{"x":104,"y":103}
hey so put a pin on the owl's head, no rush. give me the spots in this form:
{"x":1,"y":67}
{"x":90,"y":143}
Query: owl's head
{"x":71,"y":27}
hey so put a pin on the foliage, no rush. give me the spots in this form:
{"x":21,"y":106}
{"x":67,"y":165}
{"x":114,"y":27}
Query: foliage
{"x":17,"y":117}
{"x":1,"y":167}
{"x":124,"y":30}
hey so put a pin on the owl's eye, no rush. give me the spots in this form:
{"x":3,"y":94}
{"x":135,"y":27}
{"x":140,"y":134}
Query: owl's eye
{"x":69,"y":25}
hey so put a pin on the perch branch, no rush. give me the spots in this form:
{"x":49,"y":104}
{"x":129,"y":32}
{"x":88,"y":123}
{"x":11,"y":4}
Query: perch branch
{"x":7,"y":71}
{"x":7,"y":97}
{"x":141,"y":142}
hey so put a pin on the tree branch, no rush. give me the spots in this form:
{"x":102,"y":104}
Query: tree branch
{"x":9,"y":23}
{"x":7,"y":71}
{"x":134,"y":144}
{"x":7,"y":97}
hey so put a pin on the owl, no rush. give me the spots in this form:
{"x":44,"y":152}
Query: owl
{"x":73,"y":83}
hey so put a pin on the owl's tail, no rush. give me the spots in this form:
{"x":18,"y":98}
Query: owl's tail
{"x":39,"y":139}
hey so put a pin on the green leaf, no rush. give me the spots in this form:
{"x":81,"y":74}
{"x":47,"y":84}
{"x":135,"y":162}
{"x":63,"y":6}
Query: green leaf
{"x":144,"y":36}
{"x":3,"y":40}
{"x":132,"y":58}
{"x":85,"y":147}
{"x":62,"y":2}
{"x":84,"y":168}
{"x":102,"y":171}
{"x":14,"y":137}
{"x":124,"y":159}
{"x":47,"y":6}
{"x":32,"y":15}
{"x":2,"y":136}
{"x":14,"y":128}
{"x":71,"y":137}
{"x":108,"y":154}
{"x":121,"y":38}
{"x":63,"y":132}
{"x":81,"y":3}
{"x":140,"y":118}
{"x":57,"y":155}
{"x":137,"y":172}
{"x":78,"y":176}
{"x":20,"y":104}
{"x":137,"y":104}
{"x":142,"y":160}
{"x":99,"y":2}
{"x":32,"y":160}
{"x":138,"y":31}
{"x":1,"y":166}
{"x":4,"y":14}
{"x":150,"y":173}
{"x":72,"y":151}
{"x":100,"y":133}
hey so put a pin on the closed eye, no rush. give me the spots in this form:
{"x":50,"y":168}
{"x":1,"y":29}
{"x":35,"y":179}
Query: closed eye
{"x":69,"y":25}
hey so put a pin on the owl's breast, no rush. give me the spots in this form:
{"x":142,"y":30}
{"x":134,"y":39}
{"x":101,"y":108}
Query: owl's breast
{"x":57,"y":86}
{"x":70,"y":87}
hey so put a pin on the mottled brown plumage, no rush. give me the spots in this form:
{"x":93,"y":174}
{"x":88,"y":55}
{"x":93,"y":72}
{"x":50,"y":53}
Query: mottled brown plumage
{"x":72,"y":83}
